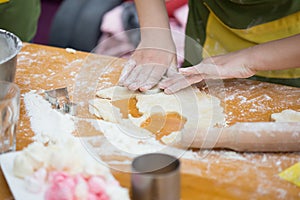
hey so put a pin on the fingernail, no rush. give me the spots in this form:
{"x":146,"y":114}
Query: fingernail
{"x":133,"y":85}
{"x":183,"y":70}
{"x":161,"y":86}
{"x":168,"y":91}
{"x":121,"y":81}
{"x":145,"y":87}
{"x":126,"y":84}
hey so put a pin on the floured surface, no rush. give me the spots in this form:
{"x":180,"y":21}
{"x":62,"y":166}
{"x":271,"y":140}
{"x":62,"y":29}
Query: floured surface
{"x":47,"y":123}
{"x":254,"y":101}
{"x":47,"y":68}
{"x":218,"y":175}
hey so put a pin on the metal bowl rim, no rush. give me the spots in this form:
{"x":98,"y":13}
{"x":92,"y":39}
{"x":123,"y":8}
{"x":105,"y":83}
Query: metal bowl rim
{"x":17,"y":41}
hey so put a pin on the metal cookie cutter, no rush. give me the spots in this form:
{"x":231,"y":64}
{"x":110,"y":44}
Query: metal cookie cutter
{"x":59,"y":99}
{"x":155,"y":176}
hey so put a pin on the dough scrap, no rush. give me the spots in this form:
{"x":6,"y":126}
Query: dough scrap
{"x":174,"y":137}
{"x":104,"y":109}
{"x":286,"y":116}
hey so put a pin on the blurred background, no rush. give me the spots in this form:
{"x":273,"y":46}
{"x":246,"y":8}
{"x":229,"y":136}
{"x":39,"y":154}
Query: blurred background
{"x":49,"y":8}
{"x":82,"y":24}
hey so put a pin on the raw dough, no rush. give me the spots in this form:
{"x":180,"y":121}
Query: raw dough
{"x":204,"y":106}
{"x":154,"y":90}
{"x":116,"y":93}
{"x":200,"y":109}
{"x":286,"y":116}
{"x":174,"y":137}
{"x":103,"y":108}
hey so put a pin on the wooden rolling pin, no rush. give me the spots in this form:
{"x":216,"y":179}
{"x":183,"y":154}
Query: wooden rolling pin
{"x":250,"y":137}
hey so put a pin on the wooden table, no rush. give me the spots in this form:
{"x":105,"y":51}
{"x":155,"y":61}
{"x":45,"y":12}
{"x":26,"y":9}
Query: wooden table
{"x":215,"y":175}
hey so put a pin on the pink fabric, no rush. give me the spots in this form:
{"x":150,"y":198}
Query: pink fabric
{"x":111,"y":22}
{"x":114,"y":41}
{"x":173,"y":5}
{"x":181,"y":15}
{"x":178,"y":24}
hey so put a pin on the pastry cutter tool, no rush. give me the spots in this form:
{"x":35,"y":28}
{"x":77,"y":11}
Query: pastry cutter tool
{"x":59,"y":99}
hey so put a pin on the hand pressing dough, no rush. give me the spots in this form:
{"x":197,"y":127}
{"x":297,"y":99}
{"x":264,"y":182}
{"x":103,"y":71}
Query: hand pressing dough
{"x":286,"y":116}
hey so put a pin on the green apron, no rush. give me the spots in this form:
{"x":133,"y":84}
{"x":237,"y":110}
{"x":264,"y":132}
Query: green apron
{"x":20,"y":17}
{"x":224,"y":26}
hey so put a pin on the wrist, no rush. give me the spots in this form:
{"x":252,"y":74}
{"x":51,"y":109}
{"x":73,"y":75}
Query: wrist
{"x":157,"y":38}
{"x":252,"y":59}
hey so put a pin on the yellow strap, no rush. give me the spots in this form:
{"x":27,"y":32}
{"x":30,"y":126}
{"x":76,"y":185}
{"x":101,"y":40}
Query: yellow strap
{"x":4,"y":1}
{"x":222,"y":39}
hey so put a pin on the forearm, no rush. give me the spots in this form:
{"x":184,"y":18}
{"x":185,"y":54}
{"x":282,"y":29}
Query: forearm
{"x":152,"y":13}
{"x":276,"y":55}
{"x":154,"y":21}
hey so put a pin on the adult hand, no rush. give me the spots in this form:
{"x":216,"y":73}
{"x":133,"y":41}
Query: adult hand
{"x":233,"y":65}
{"x":152,"y":59}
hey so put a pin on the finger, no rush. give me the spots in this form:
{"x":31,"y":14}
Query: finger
{"x":128,"y":67}
{"x":141,"y":78}
{"x":176,"y":86}
{"x":173,"y":70}
{"x":156,"y":74}
{"x":169,"y":81}
{"x":204,"y":68}
{"x":189,"y":70}
{"x":133,"y":76}
{"x":183,"y":83}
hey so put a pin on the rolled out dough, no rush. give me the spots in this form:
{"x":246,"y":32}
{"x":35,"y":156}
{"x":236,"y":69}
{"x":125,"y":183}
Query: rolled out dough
{"x":200,"y":109}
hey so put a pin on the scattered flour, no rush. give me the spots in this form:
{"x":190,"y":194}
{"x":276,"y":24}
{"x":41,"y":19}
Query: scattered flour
{"x":55,"y":128}
{"x":50,"y":124}
{"x":119,"y":143}
{"x":47,"y":123}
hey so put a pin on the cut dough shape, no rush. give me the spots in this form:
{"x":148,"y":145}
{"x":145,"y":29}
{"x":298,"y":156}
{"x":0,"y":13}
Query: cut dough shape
{"x":209,"y":109}
{"x":200,"y":109}
{"x":286,"y":116}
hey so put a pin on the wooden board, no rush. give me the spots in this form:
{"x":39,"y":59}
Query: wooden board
{"x":214,"y":174}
